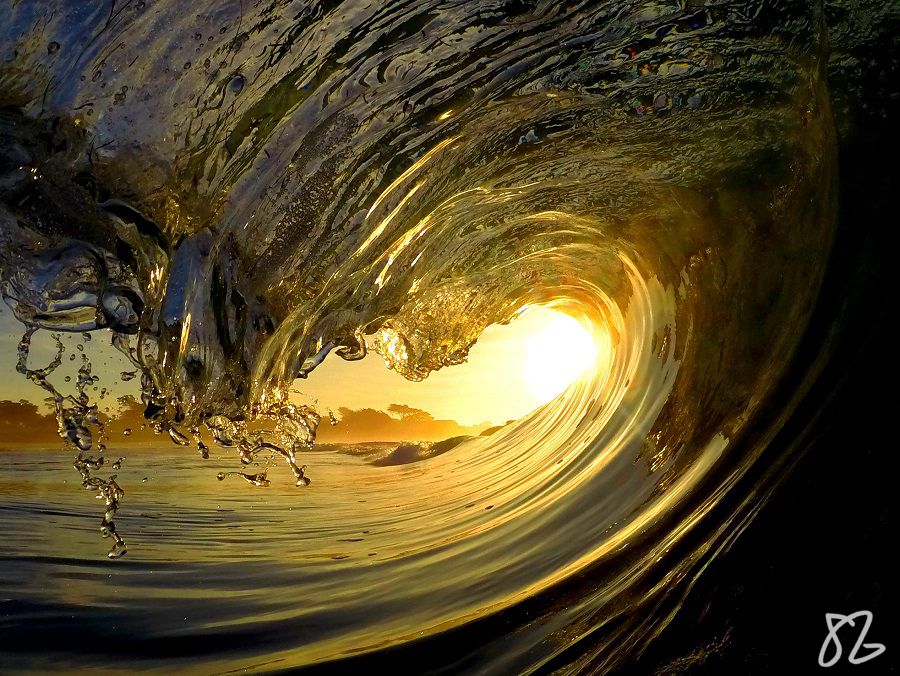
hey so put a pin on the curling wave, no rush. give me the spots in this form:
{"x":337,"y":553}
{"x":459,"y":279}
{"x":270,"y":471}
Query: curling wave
{"x":247,"y":190}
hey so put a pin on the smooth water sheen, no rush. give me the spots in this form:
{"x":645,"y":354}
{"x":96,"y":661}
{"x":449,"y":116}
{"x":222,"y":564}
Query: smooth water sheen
{"x":240,"y":189}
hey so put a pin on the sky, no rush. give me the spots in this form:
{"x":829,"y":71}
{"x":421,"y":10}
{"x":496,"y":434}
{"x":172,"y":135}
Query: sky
{"x":510,"y":371}
{"x":106,"y":362}
{"x":502,"y":379}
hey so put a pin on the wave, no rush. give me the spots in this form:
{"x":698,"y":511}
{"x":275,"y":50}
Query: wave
{"x":239,"y":192}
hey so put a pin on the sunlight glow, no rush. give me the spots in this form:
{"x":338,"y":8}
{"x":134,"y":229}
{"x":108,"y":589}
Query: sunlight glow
{"x":513,"y":369}
{"x":557,"y":355}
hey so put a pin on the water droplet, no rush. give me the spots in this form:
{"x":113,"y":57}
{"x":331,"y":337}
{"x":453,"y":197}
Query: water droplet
{"x":118,"y":550}
{"x":178,"y":437}
{"x":187,"y":65}
{"x":236,"y":84}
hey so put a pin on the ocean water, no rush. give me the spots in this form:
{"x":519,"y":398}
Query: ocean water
{"x":225,"y":577}
{"x":240,"y":190}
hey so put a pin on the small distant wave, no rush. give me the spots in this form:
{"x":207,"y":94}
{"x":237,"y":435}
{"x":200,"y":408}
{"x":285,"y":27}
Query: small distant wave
{"x":408,"y":453}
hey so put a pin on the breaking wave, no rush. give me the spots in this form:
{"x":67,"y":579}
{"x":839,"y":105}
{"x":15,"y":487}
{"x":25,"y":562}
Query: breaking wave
{"x":238,"y":191}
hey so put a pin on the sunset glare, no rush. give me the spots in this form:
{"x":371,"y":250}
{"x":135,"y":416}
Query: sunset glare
{"x":557,"y":355}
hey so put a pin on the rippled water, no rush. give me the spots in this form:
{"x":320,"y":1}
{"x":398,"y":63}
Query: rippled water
{"x":237,"y":577}
{"x":238,"y":190}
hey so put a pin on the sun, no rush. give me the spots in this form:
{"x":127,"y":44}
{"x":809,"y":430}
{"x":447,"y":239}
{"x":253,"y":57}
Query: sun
{"x":560,"y":351}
